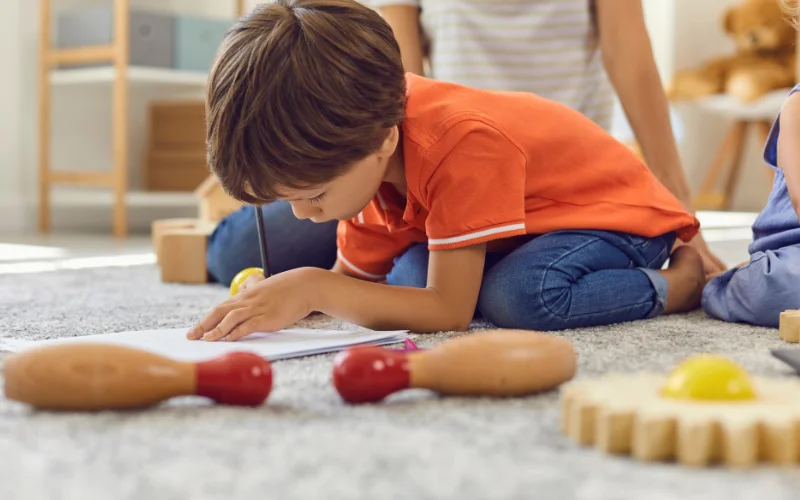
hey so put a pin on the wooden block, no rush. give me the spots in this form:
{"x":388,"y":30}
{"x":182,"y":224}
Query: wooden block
{"x":217,"y":205}
{"x":178,"y":125}
{"x":183,"y":254}
{"x":175,"y":169}
{"x":789,"y":328}
{"x":213,"y":202}
{"x":157,"y":229}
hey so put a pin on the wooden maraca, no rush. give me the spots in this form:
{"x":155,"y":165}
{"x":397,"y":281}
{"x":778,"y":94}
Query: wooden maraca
{"x":498,"y":363}
{"x":109,"y":377}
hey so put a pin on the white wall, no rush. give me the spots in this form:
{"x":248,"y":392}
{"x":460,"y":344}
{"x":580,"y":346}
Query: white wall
{"x":10,"y":118}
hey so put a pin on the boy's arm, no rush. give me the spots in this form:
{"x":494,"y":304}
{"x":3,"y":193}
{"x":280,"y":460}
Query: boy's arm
{"x":628,"y":59}
{"x":448,"y":303}
{"x":338,"y":268}
{"x":404,"y":20}
{"x":789,"y":148}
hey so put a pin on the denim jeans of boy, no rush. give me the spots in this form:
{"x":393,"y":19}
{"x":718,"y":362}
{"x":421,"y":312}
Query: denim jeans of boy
{"x":565,"y":279}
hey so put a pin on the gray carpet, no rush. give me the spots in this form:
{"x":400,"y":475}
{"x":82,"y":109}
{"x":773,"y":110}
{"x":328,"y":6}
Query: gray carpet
{"x":305,"y":443}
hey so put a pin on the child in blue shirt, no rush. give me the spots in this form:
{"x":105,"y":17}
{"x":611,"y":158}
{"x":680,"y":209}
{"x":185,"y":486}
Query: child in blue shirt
{"x":757,"y":291}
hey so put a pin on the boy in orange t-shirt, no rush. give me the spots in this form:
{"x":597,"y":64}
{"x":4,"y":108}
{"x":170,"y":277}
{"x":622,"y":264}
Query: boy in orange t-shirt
{"x":452,"y":200}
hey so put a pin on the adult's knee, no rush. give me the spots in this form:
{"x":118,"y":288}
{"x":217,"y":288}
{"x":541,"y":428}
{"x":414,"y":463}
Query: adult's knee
{"x":411,"y":268}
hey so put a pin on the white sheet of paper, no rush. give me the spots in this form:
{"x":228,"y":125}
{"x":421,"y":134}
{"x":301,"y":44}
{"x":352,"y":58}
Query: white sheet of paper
{"x":173,"y":343}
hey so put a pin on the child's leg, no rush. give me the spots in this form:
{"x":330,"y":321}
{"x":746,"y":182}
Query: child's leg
{"x":758,"y":292}
{"x":572,"y":279}
{"x":291,"y":242}
{"x":411,"y":268}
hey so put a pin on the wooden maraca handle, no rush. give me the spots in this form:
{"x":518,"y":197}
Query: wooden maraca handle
{"x":109,"y":377}
{"x":494,"y":363}
{"x":500,"y":363}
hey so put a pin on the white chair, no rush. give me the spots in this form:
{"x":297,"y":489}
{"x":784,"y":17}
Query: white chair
{"x":727,"y":162}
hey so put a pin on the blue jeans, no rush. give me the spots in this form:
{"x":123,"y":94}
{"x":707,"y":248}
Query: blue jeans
{"x":291,"y":242}
{"x":758,"y":292}
{"x":565,"y":279}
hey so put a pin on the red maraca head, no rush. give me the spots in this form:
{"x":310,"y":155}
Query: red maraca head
{"x":238,"y":378}
{"x":367,"y":374}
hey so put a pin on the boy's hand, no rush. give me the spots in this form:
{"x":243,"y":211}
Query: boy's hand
{"x":266,"y":305}
{"x":251,"y":281}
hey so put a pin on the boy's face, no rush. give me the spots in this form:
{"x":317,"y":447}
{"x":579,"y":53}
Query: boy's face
{"x":346,"y":196}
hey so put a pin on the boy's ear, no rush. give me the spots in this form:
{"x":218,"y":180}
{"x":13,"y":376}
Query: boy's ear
{"x":390,"y":142}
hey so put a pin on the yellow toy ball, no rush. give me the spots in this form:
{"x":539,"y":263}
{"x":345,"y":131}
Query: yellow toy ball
{"x":711,"y":378}
{"x":242,"y":277}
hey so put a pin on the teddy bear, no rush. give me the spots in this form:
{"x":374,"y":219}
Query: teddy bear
{"x":764,"y":59}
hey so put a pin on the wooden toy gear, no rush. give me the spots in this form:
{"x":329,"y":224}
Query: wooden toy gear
{"x":707,"y":411}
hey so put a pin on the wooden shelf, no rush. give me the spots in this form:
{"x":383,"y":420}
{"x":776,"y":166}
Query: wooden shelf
{"x":135,"y":74}
{"x":114,"y":70}
{"x":62,"y":196}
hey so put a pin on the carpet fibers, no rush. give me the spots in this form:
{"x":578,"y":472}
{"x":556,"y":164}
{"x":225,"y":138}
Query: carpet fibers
{"x":305,"y":443}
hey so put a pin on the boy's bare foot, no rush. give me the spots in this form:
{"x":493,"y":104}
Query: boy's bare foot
{"x":685,"y":278}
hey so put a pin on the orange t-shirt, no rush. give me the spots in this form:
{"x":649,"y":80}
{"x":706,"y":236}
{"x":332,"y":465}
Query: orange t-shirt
{"x":485,"y":166}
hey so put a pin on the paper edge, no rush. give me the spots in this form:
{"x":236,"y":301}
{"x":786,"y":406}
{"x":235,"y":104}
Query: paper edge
{"x":12,"y":345}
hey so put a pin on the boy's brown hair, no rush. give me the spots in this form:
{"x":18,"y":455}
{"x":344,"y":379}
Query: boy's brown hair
{"x":298,"y":92}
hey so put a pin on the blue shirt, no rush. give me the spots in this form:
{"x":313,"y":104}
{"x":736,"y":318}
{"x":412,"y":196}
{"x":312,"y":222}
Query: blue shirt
{"x":777,"y":225}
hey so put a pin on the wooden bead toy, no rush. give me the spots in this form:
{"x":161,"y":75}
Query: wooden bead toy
{"x":108,"y":377}
{"x":789,"y":328}
{"x":708,"y":410}
{"x":498,"y":363}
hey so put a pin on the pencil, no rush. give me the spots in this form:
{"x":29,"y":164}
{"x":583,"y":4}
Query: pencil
{"x":262,"y":240}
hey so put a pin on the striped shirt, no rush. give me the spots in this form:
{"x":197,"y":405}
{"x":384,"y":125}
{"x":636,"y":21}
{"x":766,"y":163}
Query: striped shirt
{"x":547,"y":47}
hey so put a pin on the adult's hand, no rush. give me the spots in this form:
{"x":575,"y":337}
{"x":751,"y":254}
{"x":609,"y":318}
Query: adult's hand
{"x":712,"y":265}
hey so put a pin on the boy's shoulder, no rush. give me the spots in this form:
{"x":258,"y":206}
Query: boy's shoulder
{"x":438,"y":111}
